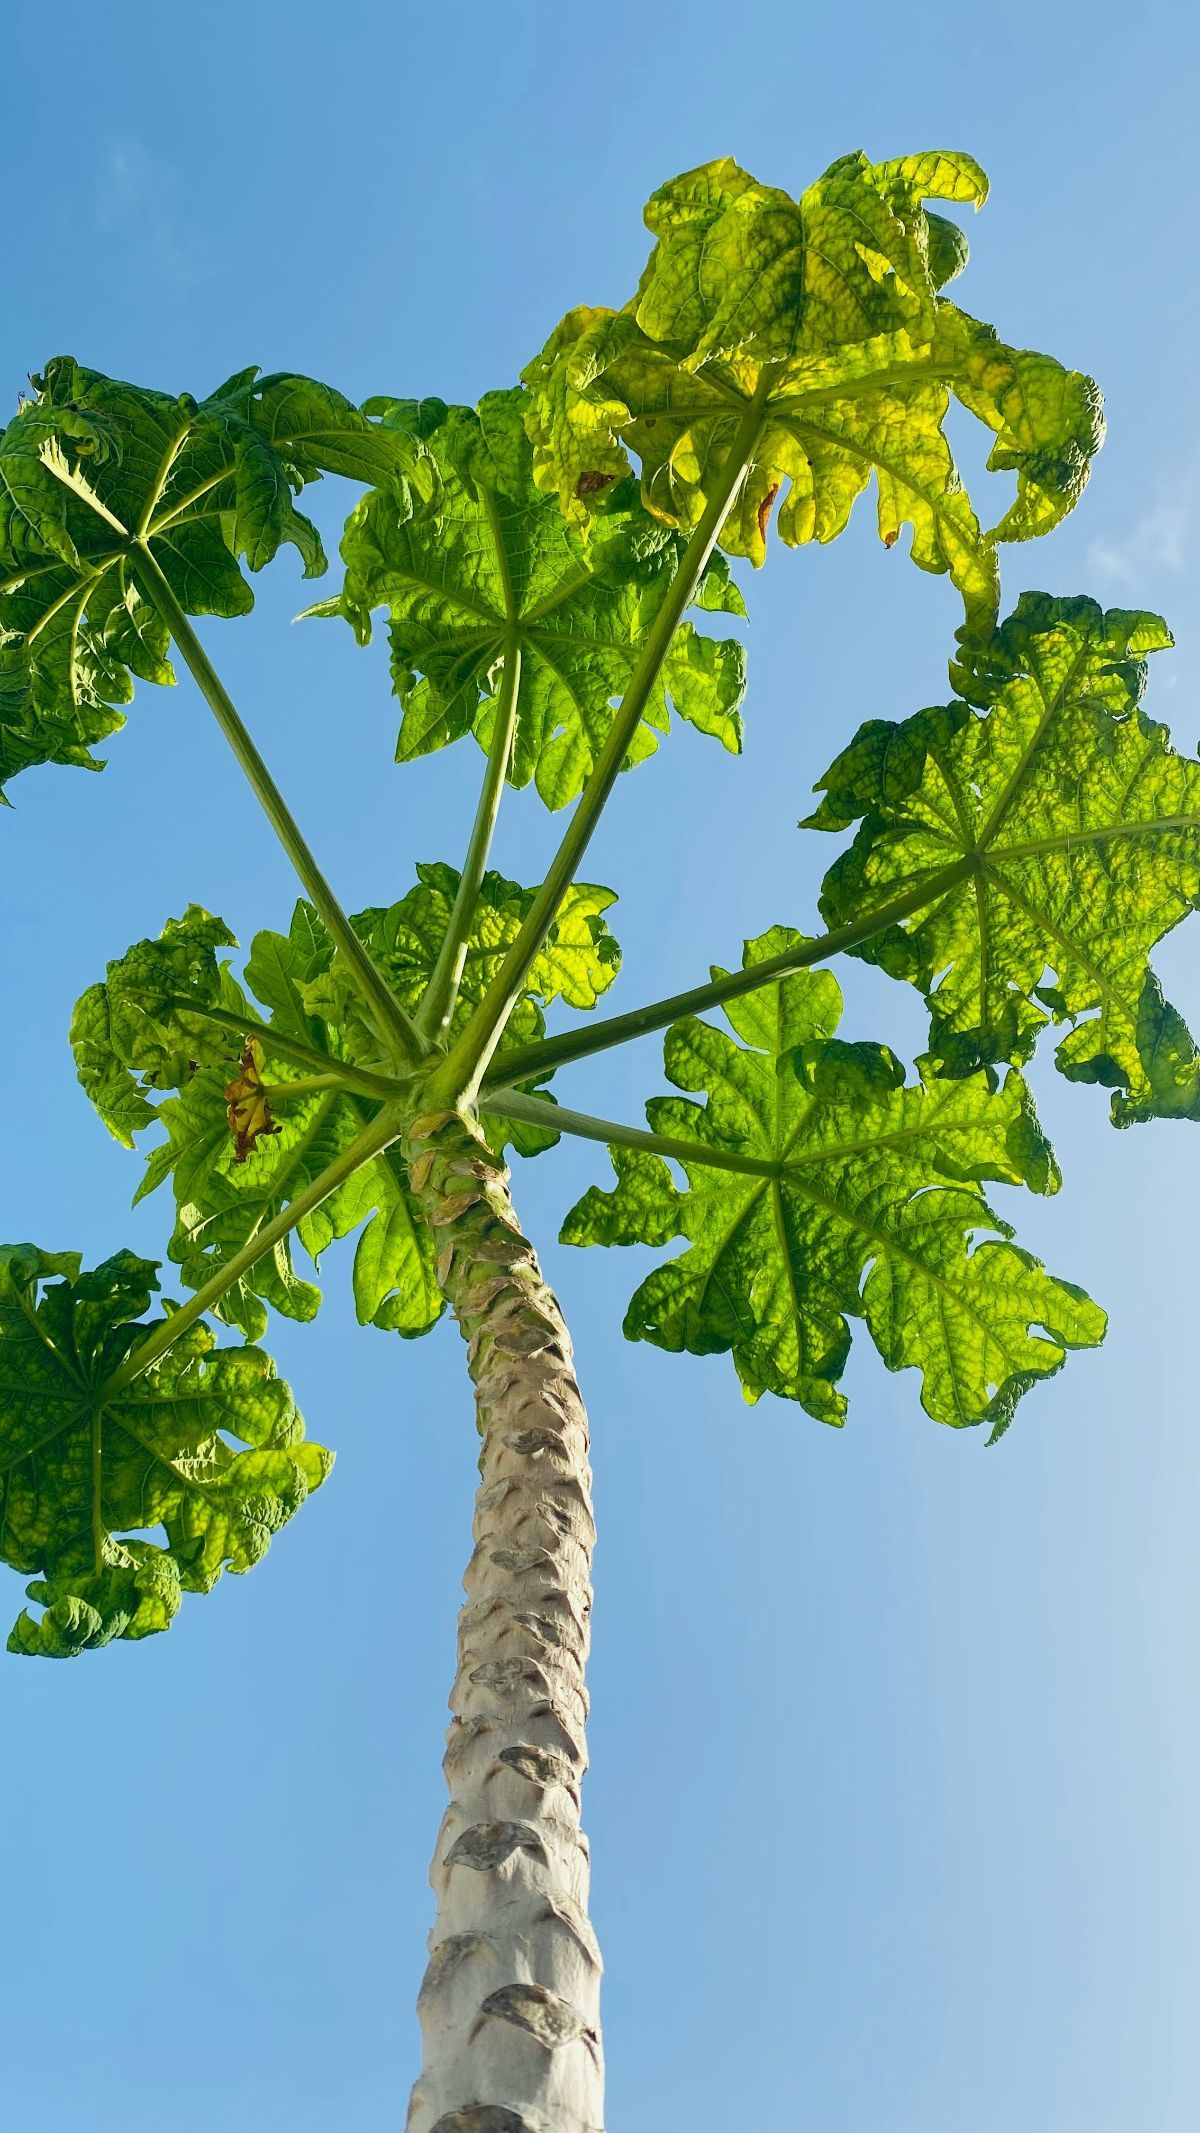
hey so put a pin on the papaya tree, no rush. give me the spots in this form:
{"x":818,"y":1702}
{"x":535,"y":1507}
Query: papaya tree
{"x":549,"y":565}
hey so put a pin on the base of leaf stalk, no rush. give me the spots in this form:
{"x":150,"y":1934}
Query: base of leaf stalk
{"x":509,"y":2007}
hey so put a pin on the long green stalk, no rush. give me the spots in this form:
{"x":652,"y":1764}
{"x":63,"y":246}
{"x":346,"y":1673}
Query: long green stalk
{"x":469,"y":1057}
{"x":510,"y":1103}
{"x":380,"y":1086}
{"x":438,"y":1003}
{"x":375,"y":1137}
{"x":530,"y":1059}
{"x":277,"y":1092}
{"x":394,"y":1023}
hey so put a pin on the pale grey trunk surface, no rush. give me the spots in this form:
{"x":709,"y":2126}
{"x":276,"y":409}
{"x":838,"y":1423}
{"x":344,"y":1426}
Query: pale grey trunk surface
{"x":510,"y":2004}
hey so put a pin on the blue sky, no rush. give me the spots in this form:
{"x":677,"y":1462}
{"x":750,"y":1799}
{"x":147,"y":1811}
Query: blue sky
{"x":894,"y":1743}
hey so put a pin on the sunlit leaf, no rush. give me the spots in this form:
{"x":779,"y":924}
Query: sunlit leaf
{"x":495,"y":568}
{"x":867,"y":1204}
{"x":92,"y":465}
{"x":144,"y":1029}
{"x":823,"y":315}
{"x":142,"y":1012}
{"x":1084,"y":826}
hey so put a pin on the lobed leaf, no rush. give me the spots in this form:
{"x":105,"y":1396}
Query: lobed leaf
{"x":1082,"y":826}
{"x":495,"y":568}
{"x":867,"y":1204}
{"x":823,"y":314}
{"x":226,"y":1186}
{"x":92,"y":466}
{"x":84,"y":1470}
{"x":140,"y":1013}
{"x":138,"y":1032}
{"x":577,"y":962}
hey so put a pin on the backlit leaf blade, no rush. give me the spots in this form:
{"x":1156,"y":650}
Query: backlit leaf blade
{"x":871,"y":1209}
{"x":1085,"y":826}
{"x":495,"y":567}
{"x":223,"y":1199}
{"x":91,"y":465}
{"x":85,"y":1474}
{"x":141,"y":1013}
{"x":144,"y":1029}
{"x":824,"y":313}
{"x":577,"y":963}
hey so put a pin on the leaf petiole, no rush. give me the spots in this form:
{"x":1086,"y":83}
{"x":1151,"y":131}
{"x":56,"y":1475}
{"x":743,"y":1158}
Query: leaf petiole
{"x":438,"y":1003}
{"x":469,"y":1058}
{"x":380,"y":1086}
{"x":394,"y":1023}
{"x":511,"y":1103}
{"x":528,"y":1060}
{"x":276,"y":1092}
{"x":384,"y":1128}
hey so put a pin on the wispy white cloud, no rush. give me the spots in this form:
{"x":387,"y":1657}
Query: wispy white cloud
{"x":1159,"y":541}
{"x":136,"y":206}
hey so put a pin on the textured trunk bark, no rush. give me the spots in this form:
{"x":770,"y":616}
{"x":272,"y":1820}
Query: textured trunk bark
{"x":509,"y":2007}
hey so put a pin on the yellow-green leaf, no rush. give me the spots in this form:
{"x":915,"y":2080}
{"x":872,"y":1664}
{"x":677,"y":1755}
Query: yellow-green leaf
{"x":146,"y":1029}
{"x":861,"y":1200}
{"x":1081,"y":828}
{"x":494,"y":570}
{"x":822,"y":313}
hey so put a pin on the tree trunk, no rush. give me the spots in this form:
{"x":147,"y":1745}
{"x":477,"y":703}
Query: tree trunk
{"x":509,"y":2006}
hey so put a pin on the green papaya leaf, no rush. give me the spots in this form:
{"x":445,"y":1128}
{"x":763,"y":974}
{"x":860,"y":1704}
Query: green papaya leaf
{"x":91,"y":467}
{"x":866,"y":1204}
{"x":576,"y":964}
{"x":83,"y":1469}
{"x":223,"y":1193}
{"x":496,"y":569}
{"x":1082,"y":829}
{"x":140,"y":1014}
{"x":822,"y":314}
{"x":223,"y":1197}
{"x":138,"y":1029}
